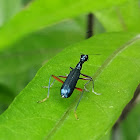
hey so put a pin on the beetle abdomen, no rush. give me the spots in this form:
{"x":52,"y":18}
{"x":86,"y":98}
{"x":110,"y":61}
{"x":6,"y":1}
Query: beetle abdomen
{"x":70,"y":83}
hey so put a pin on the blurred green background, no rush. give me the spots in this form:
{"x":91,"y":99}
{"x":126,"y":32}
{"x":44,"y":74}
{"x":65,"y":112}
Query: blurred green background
{"x":20,"y":62}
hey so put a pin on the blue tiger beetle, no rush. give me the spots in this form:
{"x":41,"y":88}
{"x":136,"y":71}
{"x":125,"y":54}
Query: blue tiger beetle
{"x":71,"y":80}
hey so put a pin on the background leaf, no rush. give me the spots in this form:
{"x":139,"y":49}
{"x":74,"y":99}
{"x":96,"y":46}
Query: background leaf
{"x":6,"y":97}
{"x":8,"y":9}
{"x":45,"y":13}
{"x":121,"y":18}
{"x":54,"y":118}
{"x":133,"y":124}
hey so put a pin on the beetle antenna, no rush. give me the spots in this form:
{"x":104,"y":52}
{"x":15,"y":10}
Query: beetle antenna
{"x":89,"y":54}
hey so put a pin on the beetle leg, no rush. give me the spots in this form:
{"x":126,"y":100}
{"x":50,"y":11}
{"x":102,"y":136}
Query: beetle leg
{"x":94,"y":91}
{"x":90,"y":79}
{"x":48,"y":92}
{"x":71,"y":68}
{"x":86,"y":76}
{"x":63,"y":81}
{"x":50,"y":85}
{"x":77,"y":105}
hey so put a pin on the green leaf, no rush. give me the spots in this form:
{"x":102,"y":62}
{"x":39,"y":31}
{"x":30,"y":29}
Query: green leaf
{"x":6,"y":97}
{"x":107,"y":136}
{"x":8,"y":8}
{"x":121,"y":18}
{"x":40,"y":46}
{"x":26,"y":2}
{"x":116,"y":76}
{"x":45,"y":13}
{"x":133,"y":133}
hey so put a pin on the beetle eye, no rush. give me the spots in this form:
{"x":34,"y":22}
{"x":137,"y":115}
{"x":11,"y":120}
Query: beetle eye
{"x":86,"y":57}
